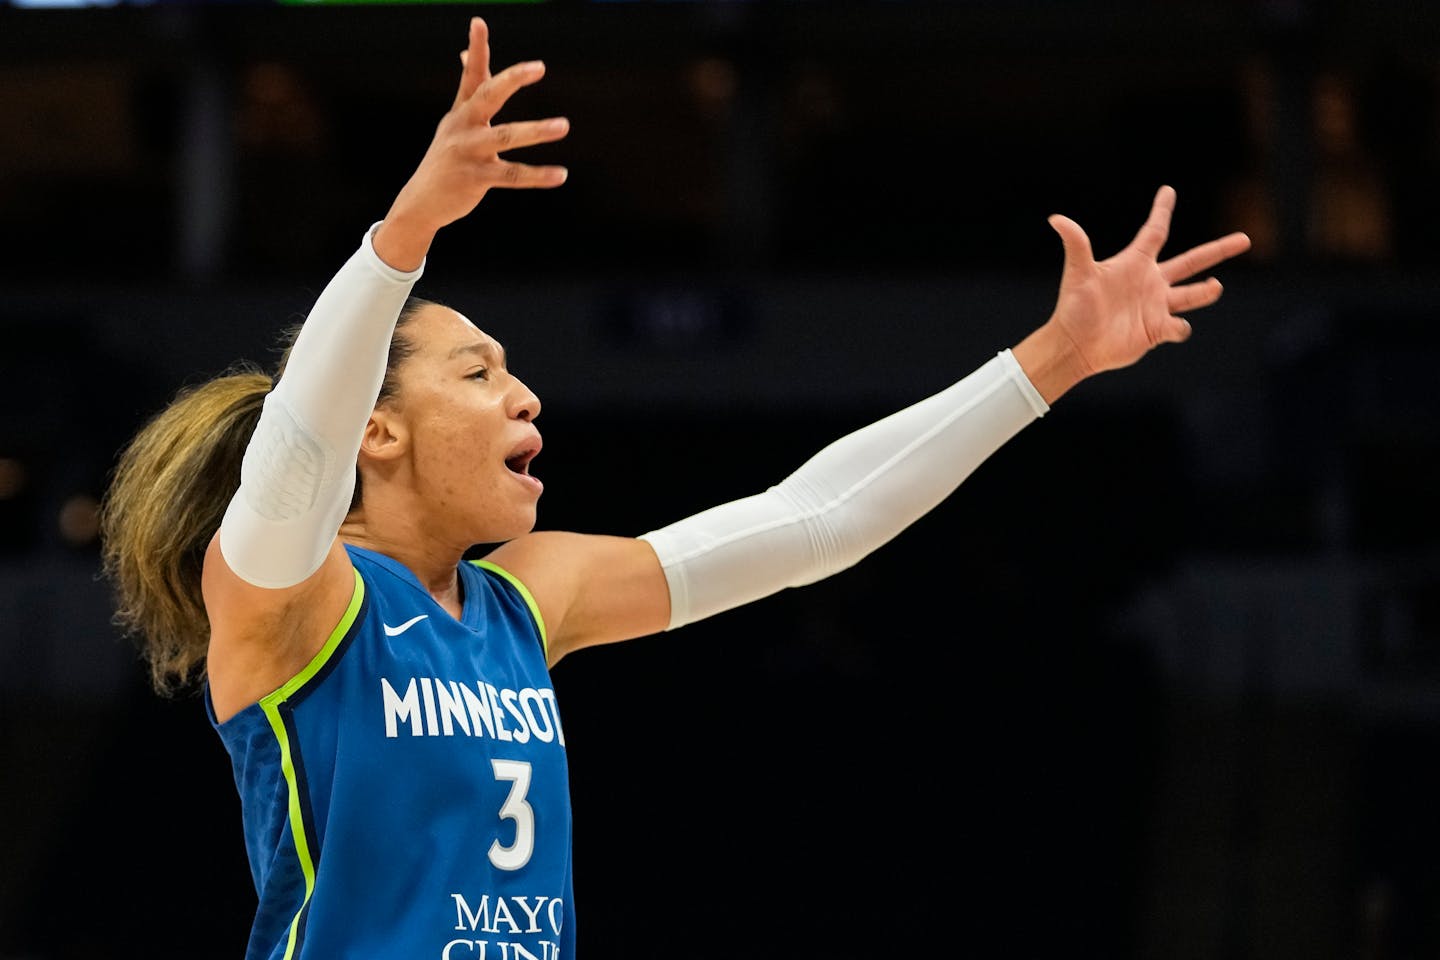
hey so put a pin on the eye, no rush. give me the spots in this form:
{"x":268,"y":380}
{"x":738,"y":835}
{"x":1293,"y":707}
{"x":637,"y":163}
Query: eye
{"x":481,"y":374}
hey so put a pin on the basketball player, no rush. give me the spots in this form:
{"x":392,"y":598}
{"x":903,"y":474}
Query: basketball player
{"x":295,"y":545}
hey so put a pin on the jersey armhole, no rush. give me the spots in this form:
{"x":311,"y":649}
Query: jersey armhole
{"x":525,"y":595}
{"x":318,"y":662}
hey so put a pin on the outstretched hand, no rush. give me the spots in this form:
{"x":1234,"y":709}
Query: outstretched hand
{"x":1115,"y":311}
{"x":463,"y":161}
{"x":1111,"y":313}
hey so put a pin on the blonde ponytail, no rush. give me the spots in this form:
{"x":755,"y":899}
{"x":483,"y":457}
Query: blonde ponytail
{"x":169,"y":491}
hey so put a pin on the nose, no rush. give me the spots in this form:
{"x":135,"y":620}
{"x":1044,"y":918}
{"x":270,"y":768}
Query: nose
{"x":524,"y":405}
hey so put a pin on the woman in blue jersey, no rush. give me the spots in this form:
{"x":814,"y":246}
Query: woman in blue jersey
{"x":296,"y":544}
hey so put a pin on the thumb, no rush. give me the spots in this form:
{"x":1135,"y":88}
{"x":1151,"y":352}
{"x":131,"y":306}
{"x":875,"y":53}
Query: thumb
{"x":1078,"y":254}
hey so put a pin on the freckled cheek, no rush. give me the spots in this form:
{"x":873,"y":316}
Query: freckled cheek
{"x":456,"y":466}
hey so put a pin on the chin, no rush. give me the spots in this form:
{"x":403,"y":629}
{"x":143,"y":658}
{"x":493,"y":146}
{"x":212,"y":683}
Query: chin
{"x":502,"y":532}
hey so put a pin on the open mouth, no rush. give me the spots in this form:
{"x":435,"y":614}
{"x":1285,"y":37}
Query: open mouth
{"x":519,"y":461}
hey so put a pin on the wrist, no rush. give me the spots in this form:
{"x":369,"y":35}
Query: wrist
{"x":1051,"y":361}
{"x":401,"y":242}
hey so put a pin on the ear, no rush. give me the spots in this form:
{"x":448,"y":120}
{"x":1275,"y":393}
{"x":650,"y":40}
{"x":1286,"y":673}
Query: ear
{"x":385,"y":437}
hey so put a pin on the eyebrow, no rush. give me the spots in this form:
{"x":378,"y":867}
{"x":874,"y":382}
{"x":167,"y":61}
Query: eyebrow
{"x":488,"y":351}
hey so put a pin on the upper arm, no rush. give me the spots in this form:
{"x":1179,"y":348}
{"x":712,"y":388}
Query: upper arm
{"x":261,"y":637}
{"x":590,"y":589}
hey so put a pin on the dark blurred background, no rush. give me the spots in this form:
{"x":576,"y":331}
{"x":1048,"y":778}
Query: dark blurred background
{"x":1162,"y":679}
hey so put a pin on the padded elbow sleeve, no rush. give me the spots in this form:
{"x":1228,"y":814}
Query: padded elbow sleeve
{"x":293,"y":495}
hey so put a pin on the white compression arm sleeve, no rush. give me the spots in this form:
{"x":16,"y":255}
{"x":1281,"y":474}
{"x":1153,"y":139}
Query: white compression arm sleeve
{"x":849,"y":499}
{"x":299,"y":470}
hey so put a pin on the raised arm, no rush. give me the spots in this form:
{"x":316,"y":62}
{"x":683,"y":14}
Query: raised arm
{"x":276,"y":554}
{"x":865,"y":488}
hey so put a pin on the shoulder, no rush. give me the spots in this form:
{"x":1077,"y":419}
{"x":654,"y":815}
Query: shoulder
{"x":588,"y":588}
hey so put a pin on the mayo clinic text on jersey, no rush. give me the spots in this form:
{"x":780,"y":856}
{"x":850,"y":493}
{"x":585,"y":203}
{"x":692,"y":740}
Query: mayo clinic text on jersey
{"x":502,"y":920}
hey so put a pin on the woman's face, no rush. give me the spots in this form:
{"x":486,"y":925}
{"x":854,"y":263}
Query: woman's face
{"x":470,"y":424}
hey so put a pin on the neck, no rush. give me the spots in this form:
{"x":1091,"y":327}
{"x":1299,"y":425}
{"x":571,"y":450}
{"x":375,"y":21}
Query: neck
{"x":432,"y":561}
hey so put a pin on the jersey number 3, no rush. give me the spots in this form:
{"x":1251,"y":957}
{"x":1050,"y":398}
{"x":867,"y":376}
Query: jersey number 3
{"x":518,"y":809}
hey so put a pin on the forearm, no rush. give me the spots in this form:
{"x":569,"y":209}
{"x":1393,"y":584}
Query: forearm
{"x":299,"y":469}
{"x":335,"y":367}
{"x":849,"y":499}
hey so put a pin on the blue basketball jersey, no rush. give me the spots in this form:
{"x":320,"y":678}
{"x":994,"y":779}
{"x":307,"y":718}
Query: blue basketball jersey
{"x":406,"y":795}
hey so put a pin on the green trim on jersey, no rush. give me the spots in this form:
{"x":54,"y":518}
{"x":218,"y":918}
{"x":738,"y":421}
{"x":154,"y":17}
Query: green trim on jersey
{"x":529,"y":600}
{"x":271,"y":705}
